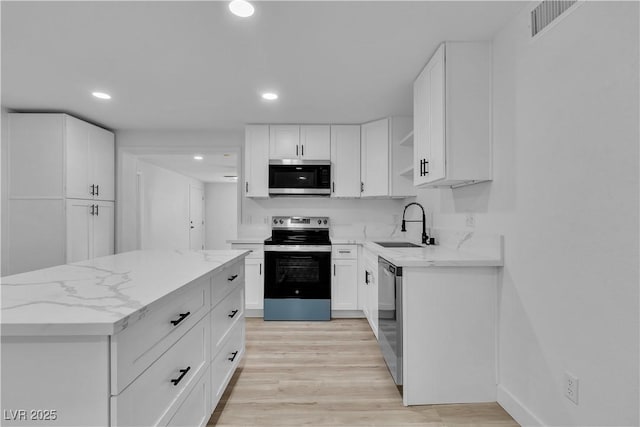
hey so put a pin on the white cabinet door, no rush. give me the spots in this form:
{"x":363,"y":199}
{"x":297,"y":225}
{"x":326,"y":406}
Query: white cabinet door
{"x":103,"y":229}
{"x":345,"y":160}
{"x":78,"y":159}
{"x":373,"y":298}
{"x":256,"y":161}
{"x":254,"y":283}
{"x":374,"y":169}
{"x":344,"y":285}
{"x":284,"y":141}
{"x":436,"y":160}
{"x":420,"y":127}
{"x":79,"y":229}
{"x":102,"y":172}
{"x":315,"y":142}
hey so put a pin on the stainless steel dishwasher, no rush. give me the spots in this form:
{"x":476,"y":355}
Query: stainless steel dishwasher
{"x":390,"y":316}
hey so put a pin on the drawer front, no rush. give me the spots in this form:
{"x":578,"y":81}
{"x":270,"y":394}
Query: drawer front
{"x":136,"y":347}
{"x":344,"y":251}
{"x":196,"y":410}
{"x":226,"y":361}
{"x":224,"y":316}
{"x":146,"y":401}
{"x":226,"y":281}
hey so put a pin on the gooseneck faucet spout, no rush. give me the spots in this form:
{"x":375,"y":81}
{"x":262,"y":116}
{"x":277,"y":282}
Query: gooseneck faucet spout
{"x":425,"y":238}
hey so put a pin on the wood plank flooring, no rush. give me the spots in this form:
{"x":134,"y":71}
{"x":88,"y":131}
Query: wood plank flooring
{"x":328,"y":374}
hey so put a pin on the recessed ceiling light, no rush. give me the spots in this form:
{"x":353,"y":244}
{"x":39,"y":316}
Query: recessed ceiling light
{"x":198,"y":157}
{"x":241,"y":8}
{"x":270,"y":96}
{"x":101,"y":95}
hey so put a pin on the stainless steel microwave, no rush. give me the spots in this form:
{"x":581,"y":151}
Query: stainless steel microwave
{"x":299,"y":177}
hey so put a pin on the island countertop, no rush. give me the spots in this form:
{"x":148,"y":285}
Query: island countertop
{"x":97,"y":297}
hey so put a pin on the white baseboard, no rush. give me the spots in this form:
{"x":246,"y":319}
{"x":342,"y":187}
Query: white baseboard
{"x":516,"y":409}
{"x":335,"y":314}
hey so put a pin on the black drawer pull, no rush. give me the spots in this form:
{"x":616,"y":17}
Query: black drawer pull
{"x":181,"y":318}
{"x":232,"y":358}
{"x":183,"y":372}
{"x":232,"y":278}
{"x":233,"y":314}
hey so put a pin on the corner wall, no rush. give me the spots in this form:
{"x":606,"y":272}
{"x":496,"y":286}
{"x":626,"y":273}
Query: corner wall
{"x":565,"y":195}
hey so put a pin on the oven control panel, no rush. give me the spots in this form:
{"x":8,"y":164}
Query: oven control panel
{"x":298,"y":222}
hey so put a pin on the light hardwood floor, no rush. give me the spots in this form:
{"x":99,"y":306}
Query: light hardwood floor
{"x":328,"y":374}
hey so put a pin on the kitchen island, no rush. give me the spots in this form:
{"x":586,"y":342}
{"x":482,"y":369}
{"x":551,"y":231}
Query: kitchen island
{"x":139,"y":338}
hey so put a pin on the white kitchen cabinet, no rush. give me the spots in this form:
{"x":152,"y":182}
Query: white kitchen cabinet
{"x":315,"y":142}
{"x":304,"y":142}
{"x":384,"y":160}
{"x":53,"y":158}
{"x":344,"y":280}
{"x":90,"y":229}
{"x":369,"y":290}
{"x":256,"y":161}
{"x":90,"y":161}
{"x":284,"y":141}
{"x":452,"y":117}
{"x":254,"y":276}
{"x":345,"y":165}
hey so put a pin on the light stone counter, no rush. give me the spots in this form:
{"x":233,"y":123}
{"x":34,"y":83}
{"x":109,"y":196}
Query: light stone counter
{"x":103,"y":295}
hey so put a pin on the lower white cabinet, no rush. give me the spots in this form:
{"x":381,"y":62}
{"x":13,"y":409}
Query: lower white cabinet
{"x":254,"y":275}
{"x":369,"y":290}
{"x":90,"y":229}
{"x":344,"y":278}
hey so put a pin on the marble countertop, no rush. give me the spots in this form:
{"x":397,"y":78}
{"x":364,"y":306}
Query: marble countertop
{"x":96,"y":297}
{"x":249,"y":240}
{"x":435,"y":256}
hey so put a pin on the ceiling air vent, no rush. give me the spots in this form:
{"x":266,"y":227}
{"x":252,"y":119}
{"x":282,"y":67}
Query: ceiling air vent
{"x":546,"y":12}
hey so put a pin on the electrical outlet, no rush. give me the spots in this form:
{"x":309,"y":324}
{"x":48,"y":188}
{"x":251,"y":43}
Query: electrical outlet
{"x":470,"y":220}
{"x":571,"y":387}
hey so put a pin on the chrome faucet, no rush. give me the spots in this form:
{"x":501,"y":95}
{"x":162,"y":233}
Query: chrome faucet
{"x":425,"y":238}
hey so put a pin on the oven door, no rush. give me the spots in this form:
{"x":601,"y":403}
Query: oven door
{"x":299,"y":178}
{"x":297,"y":272}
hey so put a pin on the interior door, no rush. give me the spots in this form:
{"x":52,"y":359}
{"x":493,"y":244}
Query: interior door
{"x":196,"y":221}
{"x":103,"y":229}
{"x":79,"y":224}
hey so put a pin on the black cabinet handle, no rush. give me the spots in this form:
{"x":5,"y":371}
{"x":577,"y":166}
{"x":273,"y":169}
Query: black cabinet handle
{"x":302,"y":150}
{"x":232,"y":358}
{"x":296,"y":151}
{"x":93,"y":191}
{"x":181,"y":318}
{"x":361,"y":187}
{"x":247,"y":187}
{"x":93,"y":210}
{"x":334,"y":269}
{"x":97,"y":210}
{"x":183,"y":372}
{"x":260,"y":269}
{"x":233,"y":314}
{"x":232,"y":278}
{"x":97,"y":190}
{"x":366,"y":277}
{"x":333,"y":187}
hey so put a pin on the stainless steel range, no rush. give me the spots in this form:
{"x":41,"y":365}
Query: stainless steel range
{"x":297,"y":281}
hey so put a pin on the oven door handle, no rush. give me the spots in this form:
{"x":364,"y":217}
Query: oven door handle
{"x":297,"y":248}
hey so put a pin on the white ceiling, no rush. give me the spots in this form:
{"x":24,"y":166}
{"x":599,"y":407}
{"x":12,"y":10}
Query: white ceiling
{"x":212,"y":168}
{"x":193,"y":65}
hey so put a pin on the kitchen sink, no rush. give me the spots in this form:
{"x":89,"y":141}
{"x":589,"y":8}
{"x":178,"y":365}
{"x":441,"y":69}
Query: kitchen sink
{"x":397,"y":245}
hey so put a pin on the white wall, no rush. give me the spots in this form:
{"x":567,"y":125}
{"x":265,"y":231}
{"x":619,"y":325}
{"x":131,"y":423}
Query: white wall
{"x":221,"y":214}
{"x":565,"y":196}
{"x":165,"y":207}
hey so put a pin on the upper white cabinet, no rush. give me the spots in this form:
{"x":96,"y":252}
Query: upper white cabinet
{"x":284,"y":141}
{"x":452,"y":117}
{"x":384,"y":159}
{"x":315,"y":142}
{"x":305,"y":142}
{"x":256,"y":161}
{"x":52,"y":158}
{"x":90,"y":161}
{"x":345,"y":167}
